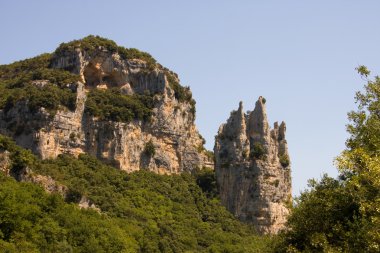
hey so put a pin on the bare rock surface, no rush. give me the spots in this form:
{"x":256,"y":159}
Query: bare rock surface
{"x":253,"y":169}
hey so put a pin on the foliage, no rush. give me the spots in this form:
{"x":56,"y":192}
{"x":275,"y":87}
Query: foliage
{"x":325,"y":219}
{"x":149,"y":149}
{"x":363,"y":71}
{"x":343,"y":215}
{"x":284,"y":160}
{"x":206,"y":180}
{"x":258,"y":151}
{"x":16,"y":84}
{"x":92,"y":44}
{"x":141,"y":211}
{"x":34,"y":221}
{"x":210,"y":154}
{"x":37,"y":68}
{"x":50,"y":97}
{"x":182,"y":94}
{"x":111,"y":104}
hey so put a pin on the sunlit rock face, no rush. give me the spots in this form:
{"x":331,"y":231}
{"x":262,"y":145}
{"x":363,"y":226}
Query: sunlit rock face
{"x":171,"y":129}
{"x":253,"y":169}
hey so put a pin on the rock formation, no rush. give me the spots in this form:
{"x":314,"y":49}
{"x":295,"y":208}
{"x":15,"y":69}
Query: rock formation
{"x":253,"y":170}
{"x":171,"y":130}
{"x":251,"y":160}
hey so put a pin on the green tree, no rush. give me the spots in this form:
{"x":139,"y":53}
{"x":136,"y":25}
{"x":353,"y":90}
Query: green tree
{"x":140,"y":211}
{"x":343,"y":215}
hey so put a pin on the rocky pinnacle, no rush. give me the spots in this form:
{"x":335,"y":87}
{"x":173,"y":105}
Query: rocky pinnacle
{"x":253,"y":169}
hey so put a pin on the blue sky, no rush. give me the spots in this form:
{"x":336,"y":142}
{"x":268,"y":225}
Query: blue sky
{"x":300,"y":56}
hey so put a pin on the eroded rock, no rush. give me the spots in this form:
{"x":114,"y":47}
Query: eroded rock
{"x":171,"y":128}
{"x":253,"y":170}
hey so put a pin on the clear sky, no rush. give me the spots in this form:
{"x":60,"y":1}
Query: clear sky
{"x":300,"y":55}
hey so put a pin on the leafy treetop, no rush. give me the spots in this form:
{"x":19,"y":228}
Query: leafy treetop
{"x":93,"y":43}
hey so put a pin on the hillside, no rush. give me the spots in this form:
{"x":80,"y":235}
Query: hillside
{"x":136,"y":212}
{"x":95,"y":137}
{"x":99,"y":152}
{"x":93,"y":96}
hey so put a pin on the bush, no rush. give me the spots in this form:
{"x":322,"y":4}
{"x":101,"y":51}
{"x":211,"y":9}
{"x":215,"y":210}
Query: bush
{"x":91,"y":44}
{"x":210,"y":155}
{"x":284,"y":160}
{"x":182,"y":94}
{"x":258,"y":151}
{"x":150,"y":149}
{"x":16,"y":85}
{"x":112,"y":105}
{"x":206,"y":180}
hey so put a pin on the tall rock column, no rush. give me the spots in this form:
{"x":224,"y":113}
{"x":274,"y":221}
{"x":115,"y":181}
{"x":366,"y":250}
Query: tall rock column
{"x":253,"y":169}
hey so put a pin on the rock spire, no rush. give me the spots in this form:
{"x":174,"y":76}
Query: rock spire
{"x":253,"y":169}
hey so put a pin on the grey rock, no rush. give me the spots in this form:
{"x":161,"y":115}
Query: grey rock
{"x":252,"y":169}
{"x":171,"y":129}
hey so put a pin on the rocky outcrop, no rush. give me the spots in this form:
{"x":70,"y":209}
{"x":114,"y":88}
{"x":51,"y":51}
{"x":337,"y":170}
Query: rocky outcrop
{"x":5,"y":162}
{"x":46,"y":182}
{"x":253,"y":170}
{"x":171,"y":130}
{"x":25,"y":174}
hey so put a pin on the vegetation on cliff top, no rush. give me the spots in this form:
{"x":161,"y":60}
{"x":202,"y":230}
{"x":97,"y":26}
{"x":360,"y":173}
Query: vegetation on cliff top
{"x":182,"y":94}
{"x":21,"y":81}
{"x":141,"y":211}
{"x":92,"y":44}
{"x":18,"y":83}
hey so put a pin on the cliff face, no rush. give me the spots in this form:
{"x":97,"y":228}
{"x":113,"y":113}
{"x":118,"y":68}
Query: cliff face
{"x":252,"y":169}
{"x":175,"y":144}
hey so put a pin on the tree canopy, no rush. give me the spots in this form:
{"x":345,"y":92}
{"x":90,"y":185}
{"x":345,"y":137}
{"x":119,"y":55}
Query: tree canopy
{"x":343,"y":214}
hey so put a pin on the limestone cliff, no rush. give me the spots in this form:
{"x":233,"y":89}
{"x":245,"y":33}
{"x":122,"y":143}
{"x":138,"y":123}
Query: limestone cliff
{"x":170,"y":131}
{"x":253,"y":170}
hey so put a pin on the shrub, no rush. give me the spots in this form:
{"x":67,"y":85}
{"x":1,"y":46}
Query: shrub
{"x":16,"y":84}
{"x":91,"y":44}
{"x":206,"y":180}
{"x":200,"y":148}
{"x":150,"y":149}
{"x":210,"y":155}
{"x":73,"y":136}
{"x":182,"y":94}
{"x":112,"y":105}
{"x":284,"y":160}
{"x":258,"y":151}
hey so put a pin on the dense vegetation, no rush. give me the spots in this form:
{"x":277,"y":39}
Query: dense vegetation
{"x":111,"y":104}
{"x":258,"y":151}
{"x":141,"y":212}
{"x":182,"y":94}
{"x":16,"y":84}
{"x":343,"y":215}
{"x":34,"y":221}
{"x":92,"y":44}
